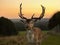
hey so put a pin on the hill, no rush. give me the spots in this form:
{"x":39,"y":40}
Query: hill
{"x":43,"y":24}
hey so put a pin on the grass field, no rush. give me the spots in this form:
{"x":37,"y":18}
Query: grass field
{"x":20,"y":39}
{"x":52,"y":40}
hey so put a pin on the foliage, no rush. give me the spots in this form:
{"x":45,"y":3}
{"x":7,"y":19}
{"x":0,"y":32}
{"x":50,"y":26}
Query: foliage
{"x":54,"y":20}
{"x":19,"y":26}
{"x":20,"y":39}
{"x":52,"y":40}
{"x":7,"y":27}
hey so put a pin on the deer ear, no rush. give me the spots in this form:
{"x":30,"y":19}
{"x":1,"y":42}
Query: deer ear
{"x":22,"y":21}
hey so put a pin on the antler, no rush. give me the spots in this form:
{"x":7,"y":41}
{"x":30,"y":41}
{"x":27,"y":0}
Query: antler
{"x":21,"y":15}
{"x":32,"y":15}
{"x":42,"y":14}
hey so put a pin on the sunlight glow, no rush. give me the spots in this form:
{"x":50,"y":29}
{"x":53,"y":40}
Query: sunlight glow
{"x":10,"y":8}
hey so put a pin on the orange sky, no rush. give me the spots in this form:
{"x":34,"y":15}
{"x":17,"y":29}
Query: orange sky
{"x":10,"y":8}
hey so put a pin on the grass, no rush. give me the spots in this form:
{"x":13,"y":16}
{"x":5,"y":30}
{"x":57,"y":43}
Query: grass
{"x":22,"y":33}
{"x":52,"y":40}
{"x":20,"y":39}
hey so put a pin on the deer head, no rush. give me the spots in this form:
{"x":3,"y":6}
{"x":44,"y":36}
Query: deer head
{"x":30,"y":22}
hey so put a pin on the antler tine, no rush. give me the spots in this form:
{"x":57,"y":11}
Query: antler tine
{"x":43,"y":12}
{"x":21,"y":4}
{"x":35,"y":19}
{"x":32,"y":16}
{"x":20,"y":9}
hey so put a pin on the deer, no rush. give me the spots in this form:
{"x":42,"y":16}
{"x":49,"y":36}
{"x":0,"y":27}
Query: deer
{"x":33,"y":34}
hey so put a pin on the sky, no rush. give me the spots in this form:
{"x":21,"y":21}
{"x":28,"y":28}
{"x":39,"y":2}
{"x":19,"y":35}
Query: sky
{"x":10,"y":8}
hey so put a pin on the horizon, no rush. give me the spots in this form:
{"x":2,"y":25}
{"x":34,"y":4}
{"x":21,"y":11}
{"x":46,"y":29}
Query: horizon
{"x":10,"y":8}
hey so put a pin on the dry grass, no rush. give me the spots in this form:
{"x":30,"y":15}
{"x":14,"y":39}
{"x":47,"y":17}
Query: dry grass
{"x":13,"y":40}
{"x":19,"y":39}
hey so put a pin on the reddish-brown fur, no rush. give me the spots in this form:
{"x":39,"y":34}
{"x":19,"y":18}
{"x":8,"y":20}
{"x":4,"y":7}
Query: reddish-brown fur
{"x":37,"y":34}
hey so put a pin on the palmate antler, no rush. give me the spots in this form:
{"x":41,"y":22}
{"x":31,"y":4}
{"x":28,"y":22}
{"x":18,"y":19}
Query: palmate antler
{"x":41,"y":16}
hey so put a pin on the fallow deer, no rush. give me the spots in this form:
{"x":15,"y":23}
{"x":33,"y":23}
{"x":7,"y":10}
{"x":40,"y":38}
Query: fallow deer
{"x":34,"y":34}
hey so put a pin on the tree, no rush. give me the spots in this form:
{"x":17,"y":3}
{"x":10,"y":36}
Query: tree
{"x":7,"y":27}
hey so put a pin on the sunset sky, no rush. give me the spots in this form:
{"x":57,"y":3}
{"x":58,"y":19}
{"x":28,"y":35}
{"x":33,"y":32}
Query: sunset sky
{"x":10,"y":8}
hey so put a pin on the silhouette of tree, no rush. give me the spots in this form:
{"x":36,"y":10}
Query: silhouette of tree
{"x":54,"y":21}
{"x":7,"y":27}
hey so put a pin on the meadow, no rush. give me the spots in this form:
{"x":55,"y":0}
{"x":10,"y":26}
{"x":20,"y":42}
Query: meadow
{"x":20,"y":39}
